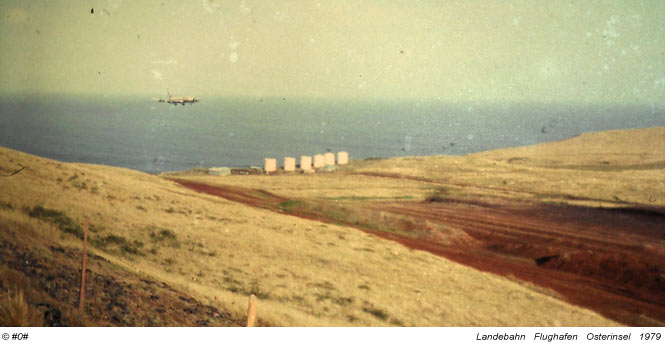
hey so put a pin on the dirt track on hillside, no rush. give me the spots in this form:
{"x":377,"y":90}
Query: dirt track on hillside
{"x":599,"y":259}
{"x":611,"y":261}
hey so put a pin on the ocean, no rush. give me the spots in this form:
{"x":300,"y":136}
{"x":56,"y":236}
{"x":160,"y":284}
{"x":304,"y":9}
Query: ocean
{"x":137,"y":133}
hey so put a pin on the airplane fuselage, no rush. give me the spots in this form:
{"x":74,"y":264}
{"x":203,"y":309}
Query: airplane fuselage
{"x":179,"y":100}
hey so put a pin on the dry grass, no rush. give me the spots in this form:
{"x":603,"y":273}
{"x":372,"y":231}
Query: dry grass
{"x":304,"y":272}
{"x":614,"y":168}
{"x":15,"y":312}
{"x":327,"y":186}
{"x":20,"y":294}
{"x":629,"y":149}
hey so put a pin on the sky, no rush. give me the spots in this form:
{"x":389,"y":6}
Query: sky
{"x":477,"y":50}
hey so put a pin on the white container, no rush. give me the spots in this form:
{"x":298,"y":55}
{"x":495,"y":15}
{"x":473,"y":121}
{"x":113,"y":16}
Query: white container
{"x":319,"y":161}
{"x":342,"y":158}
{"x":289,"y":164}
{"x":306,"y":163}
{"x":270,"y":165}
{"x":329,"y":158}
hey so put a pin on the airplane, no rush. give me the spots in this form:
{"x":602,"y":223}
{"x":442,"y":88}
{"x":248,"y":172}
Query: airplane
{"x":177,"y":100}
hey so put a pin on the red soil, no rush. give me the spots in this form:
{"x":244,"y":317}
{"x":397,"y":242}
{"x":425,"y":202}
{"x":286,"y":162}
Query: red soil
{"x":610,"y":261}
{"x":600,"y":259}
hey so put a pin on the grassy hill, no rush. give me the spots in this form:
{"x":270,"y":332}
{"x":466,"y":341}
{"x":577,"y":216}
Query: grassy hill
{"x":607,"y":169}
{"x":162,"y":254}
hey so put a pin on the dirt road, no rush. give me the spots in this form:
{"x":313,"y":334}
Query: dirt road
{"x":599,"y":259}
{"x":610,"y":261}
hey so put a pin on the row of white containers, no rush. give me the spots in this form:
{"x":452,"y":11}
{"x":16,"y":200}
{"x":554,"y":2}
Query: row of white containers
{"x":306,"y":163}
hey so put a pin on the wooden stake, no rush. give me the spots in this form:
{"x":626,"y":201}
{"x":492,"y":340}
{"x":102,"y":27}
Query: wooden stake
{"x":251,"y":311}
{"x":84,"y":265}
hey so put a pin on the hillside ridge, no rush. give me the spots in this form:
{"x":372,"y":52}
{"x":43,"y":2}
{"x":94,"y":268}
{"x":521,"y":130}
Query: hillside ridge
{"x":217,"y":252}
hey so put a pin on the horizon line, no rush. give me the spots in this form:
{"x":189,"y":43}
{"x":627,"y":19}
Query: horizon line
{"x":202,"y":97}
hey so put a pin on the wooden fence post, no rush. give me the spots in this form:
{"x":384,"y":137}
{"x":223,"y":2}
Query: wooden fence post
{"x":84,"y":265}
{"x":251,"y":311}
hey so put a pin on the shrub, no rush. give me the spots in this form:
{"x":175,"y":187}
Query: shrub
{"x":290,"y":205}
{"x":165,"y":236}
{"x":441,"y":195}
{"x":378,"y":313}
{"x":120,"y":242}
{"x":58,"y":218}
